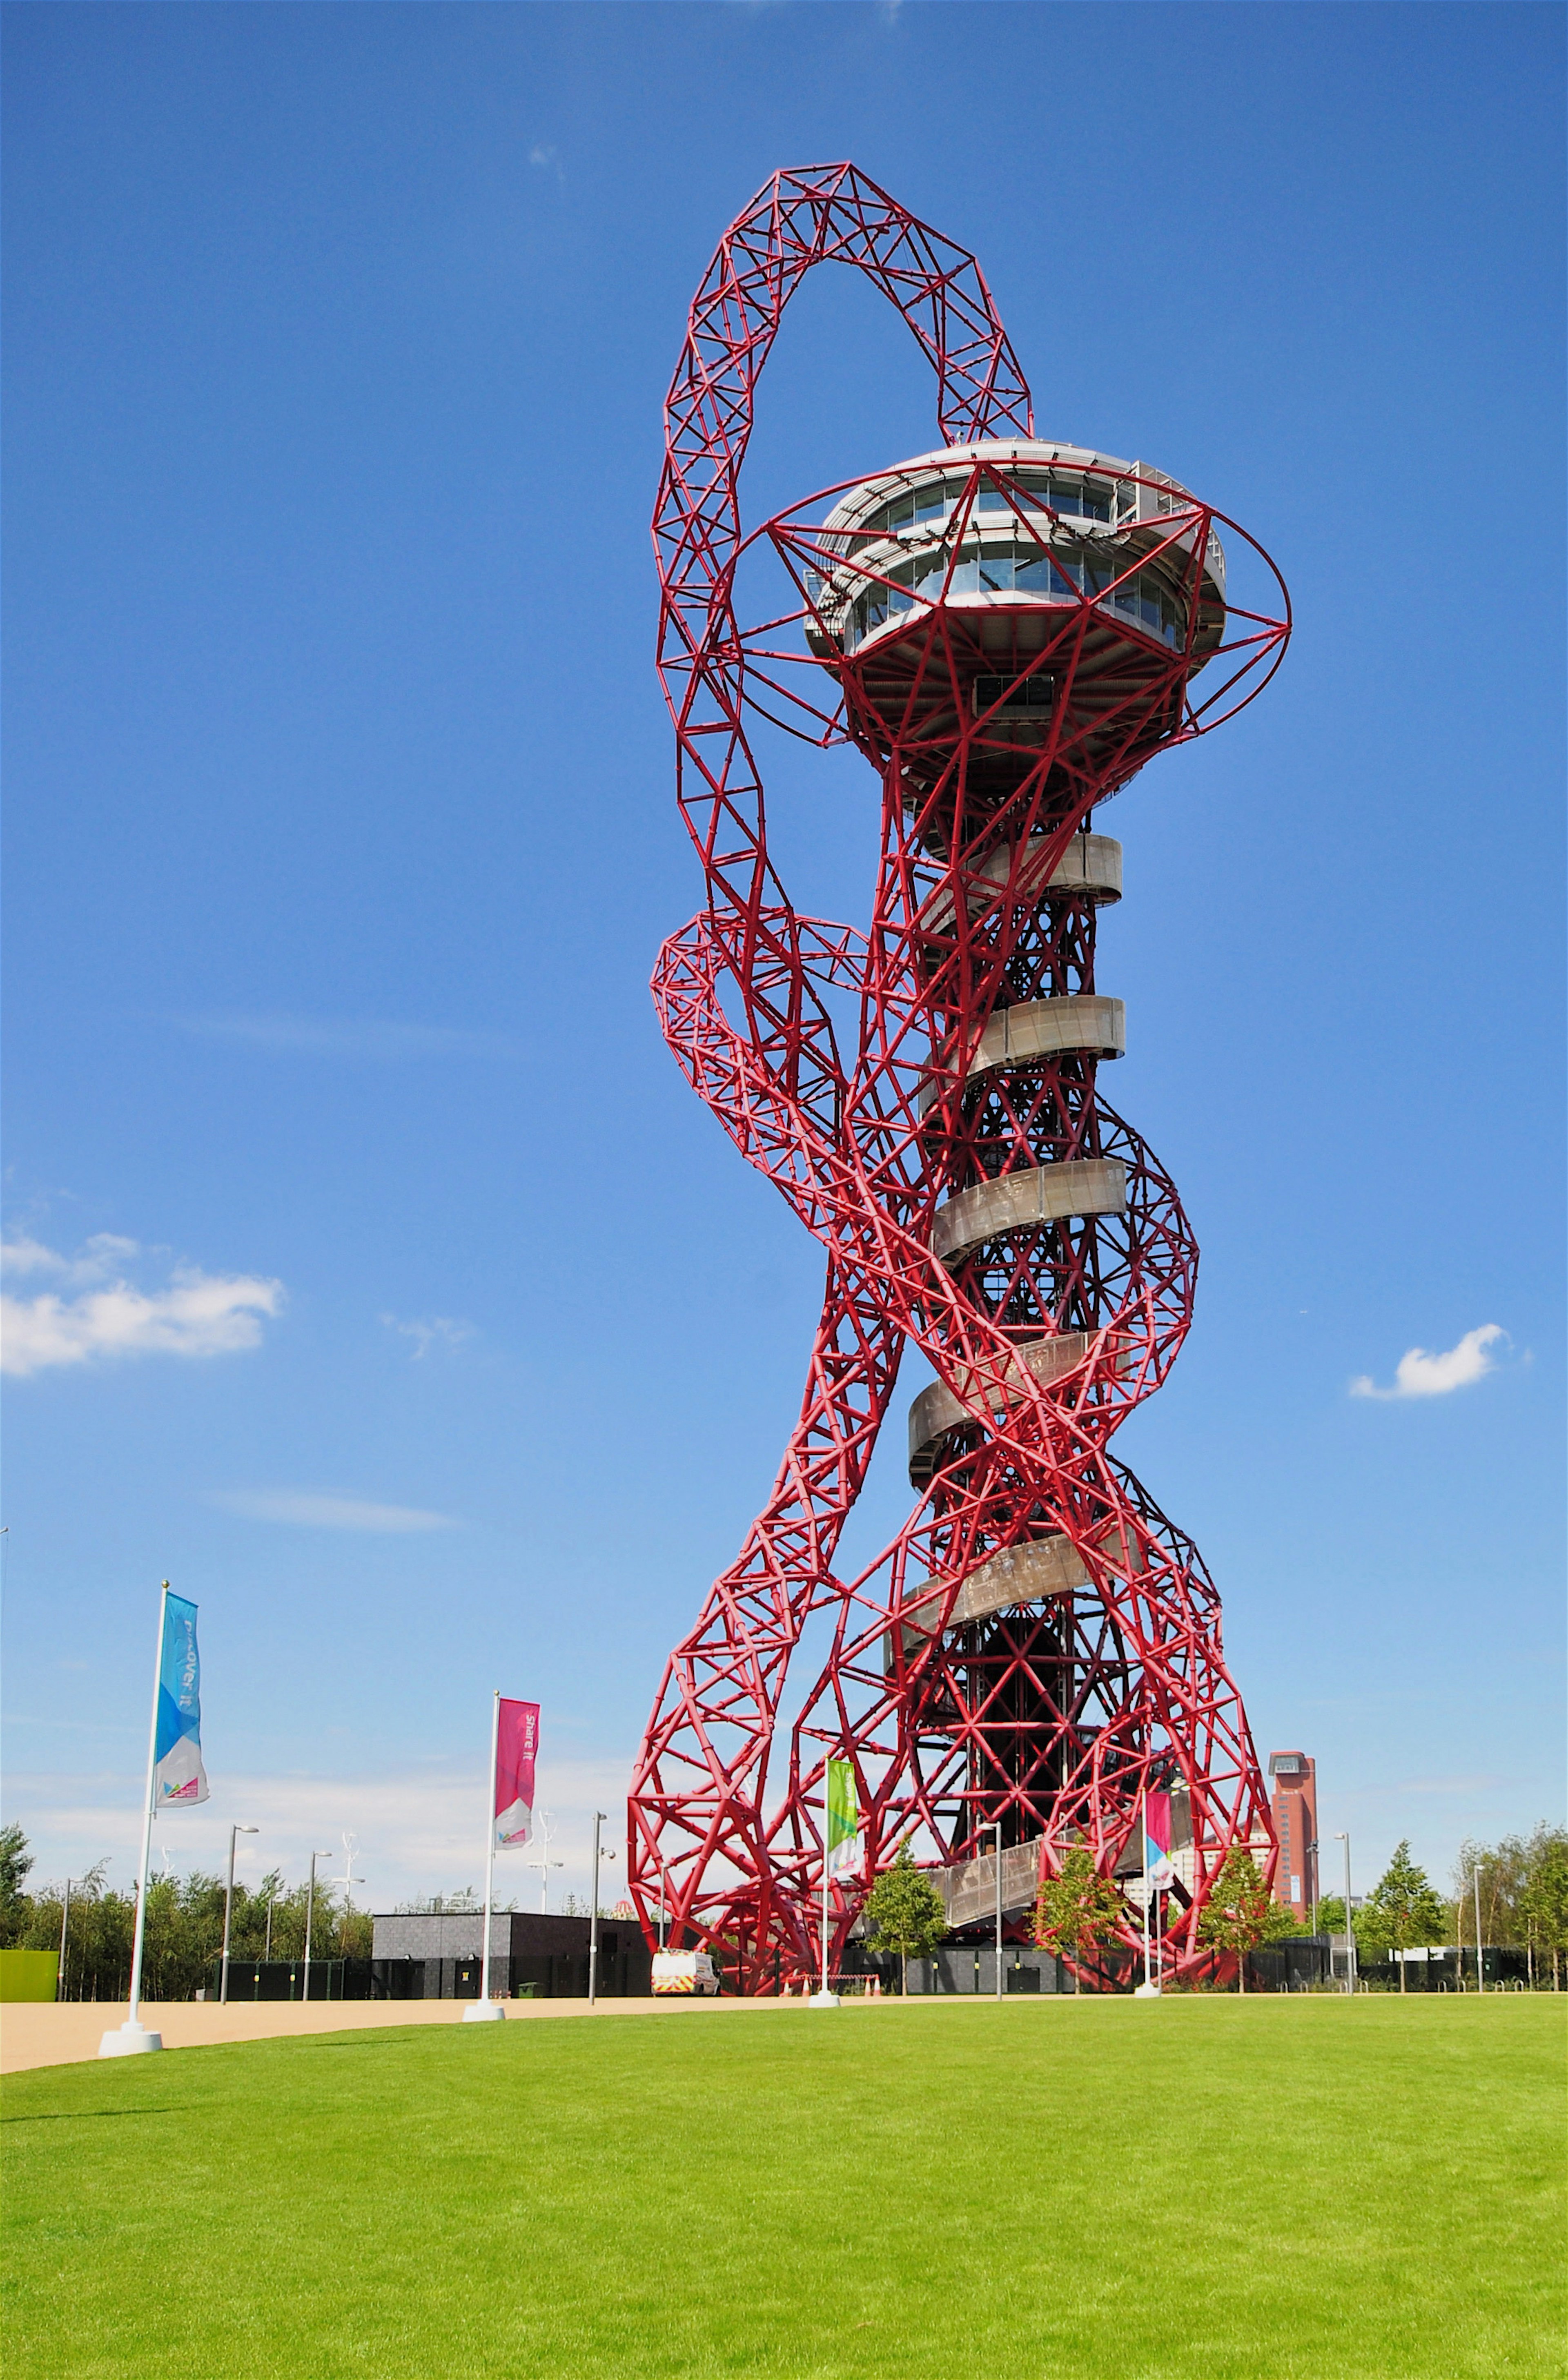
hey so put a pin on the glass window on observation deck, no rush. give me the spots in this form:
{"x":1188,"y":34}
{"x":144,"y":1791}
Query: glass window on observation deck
{"x":917,"y":504}
{"x":1081,"y":498}
{"x":1085,"y":500}
{"x":1056,"y":577}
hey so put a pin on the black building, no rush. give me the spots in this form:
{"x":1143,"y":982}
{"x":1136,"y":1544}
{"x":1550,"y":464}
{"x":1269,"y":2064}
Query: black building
{"x":438,"y":1957}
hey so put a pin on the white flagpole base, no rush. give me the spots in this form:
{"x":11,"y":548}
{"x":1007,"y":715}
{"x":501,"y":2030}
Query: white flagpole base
{"x":129,"y":2042}
{"x":822,"y":1999}
{"x":484,"y":2013}
{"x":1147,"y":1992}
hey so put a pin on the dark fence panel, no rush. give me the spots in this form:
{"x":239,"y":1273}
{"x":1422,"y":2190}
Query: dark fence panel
{"x":1290,"y":1966}
{"x":284,"y":1979}
{"x":1503,"y":1969}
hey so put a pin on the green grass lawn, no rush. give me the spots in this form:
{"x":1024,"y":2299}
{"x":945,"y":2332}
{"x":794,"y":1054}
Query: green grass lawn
{"x":1210,"y":2187}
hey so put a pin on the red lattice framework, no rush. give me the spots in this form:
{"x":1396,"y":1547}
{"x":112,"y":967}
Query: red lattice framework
{"x":989,"y":1207}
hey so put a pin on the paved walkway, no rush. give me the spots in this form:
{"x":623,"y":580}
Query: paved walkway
{"x":39,"y":2033}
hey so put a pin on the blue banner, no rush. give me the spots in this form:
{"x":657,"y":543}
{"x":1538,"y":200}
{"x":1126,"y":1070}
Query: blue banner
{"x":178,"y":1775}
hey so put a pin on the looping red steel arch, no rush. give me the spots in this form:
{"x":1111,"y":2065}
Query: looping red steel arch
{"x":1040,"y":1646}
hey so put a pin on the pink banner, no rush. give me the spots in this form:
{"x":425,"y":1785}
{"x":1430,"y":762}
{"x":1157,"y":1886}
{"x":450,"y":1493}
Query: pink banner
{"x":1158,"y":1865}
{"x":517,"y":1748}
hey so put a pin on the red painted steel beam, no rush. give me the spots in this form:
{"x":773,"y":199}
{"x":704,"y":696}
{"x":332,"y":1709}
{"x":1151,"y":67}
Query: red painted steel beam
{"x":1051,"y":1716}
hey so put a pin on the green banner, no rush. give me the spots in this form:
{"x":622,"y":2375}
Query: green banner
{"x":843,"y":1820}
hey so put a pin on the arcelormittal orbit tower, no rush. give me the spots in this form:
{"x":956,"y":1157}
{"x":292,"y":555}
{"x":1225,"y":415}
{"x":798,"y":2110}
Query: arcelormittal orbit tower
{"x":1007,"y":629}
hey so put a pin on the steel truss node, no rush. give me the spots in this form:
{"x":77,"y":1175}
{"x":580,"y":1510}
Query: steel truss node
{"x":1039,"y":1644}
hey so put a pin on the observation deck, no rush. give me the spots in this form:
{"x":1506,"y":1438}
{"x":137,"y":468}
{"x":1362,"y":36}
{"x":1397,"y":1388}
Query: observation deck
{"x":1048,"y":523}
{"x":1069,"y":586}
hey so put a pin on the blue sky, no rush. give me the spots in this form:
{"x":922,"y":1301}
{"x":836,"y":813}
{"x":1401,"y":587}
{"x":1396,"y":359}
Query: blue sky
{"x":382,"y":1283}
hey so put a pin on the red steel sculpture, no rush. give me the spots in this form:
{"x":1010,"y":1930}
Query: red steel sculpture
{"x":1007,"y":629}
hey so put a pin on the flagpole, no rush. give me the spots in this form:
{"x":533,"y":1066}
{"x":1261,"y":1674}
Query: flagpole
{"x":483,"y":2007}
{"x":1148,"y":1989}
{"x":133,"y":2034}
{"x":140,"y":1933}
{"x":490,"y":1847}
{"x":1148,"y":1890}
{"x":826,"y":1997}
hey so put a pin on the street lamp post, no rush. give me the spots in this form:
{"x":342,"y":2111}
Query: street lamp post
{"x":1312,"y":1884}
{"x":310,"y":1913}
{"x":65,"y":1921}
{"x":1475,"y":1892}
{"x":996,"y":1831}
{"x":228,"y":1907}
{"x":1349,"y":1928}
{"x":599,"y":1819}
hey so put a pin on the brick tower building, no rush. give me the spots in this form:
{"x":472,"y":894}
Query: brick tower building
{"x":1295,"y":1782}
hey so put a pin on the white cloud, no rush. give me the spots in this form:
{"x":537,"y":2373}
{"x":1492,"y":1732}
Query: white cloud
{"x":350,"y":1036}
{"x":305,"y":1512}
{"x":542,"y":154}
{"x":104,"y":1253}
{"x":97,"y":1311}
{"x":29,"y":1255}
{"x":1419,"y":1374}
{"x":442,"y":1326}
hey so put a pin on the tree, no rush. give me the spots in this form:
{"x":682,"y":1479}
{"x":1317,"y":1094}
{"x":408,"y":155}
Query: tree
{"x":904,"y":1913}
{"x":1074,"y":1908}
{"x":98,"y":1940}
{"x":1405,"y":1907}
{"x":185,"y":1931}
{"x":1502,"y":1871}
{"x":1369,"y":1926}
{"x":1544,"y":1901}
{"x":1237,"y":1915}
{"x":16,"y":1859}
{"x":1521,"y":1887}
{"x":355,"y":1932}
